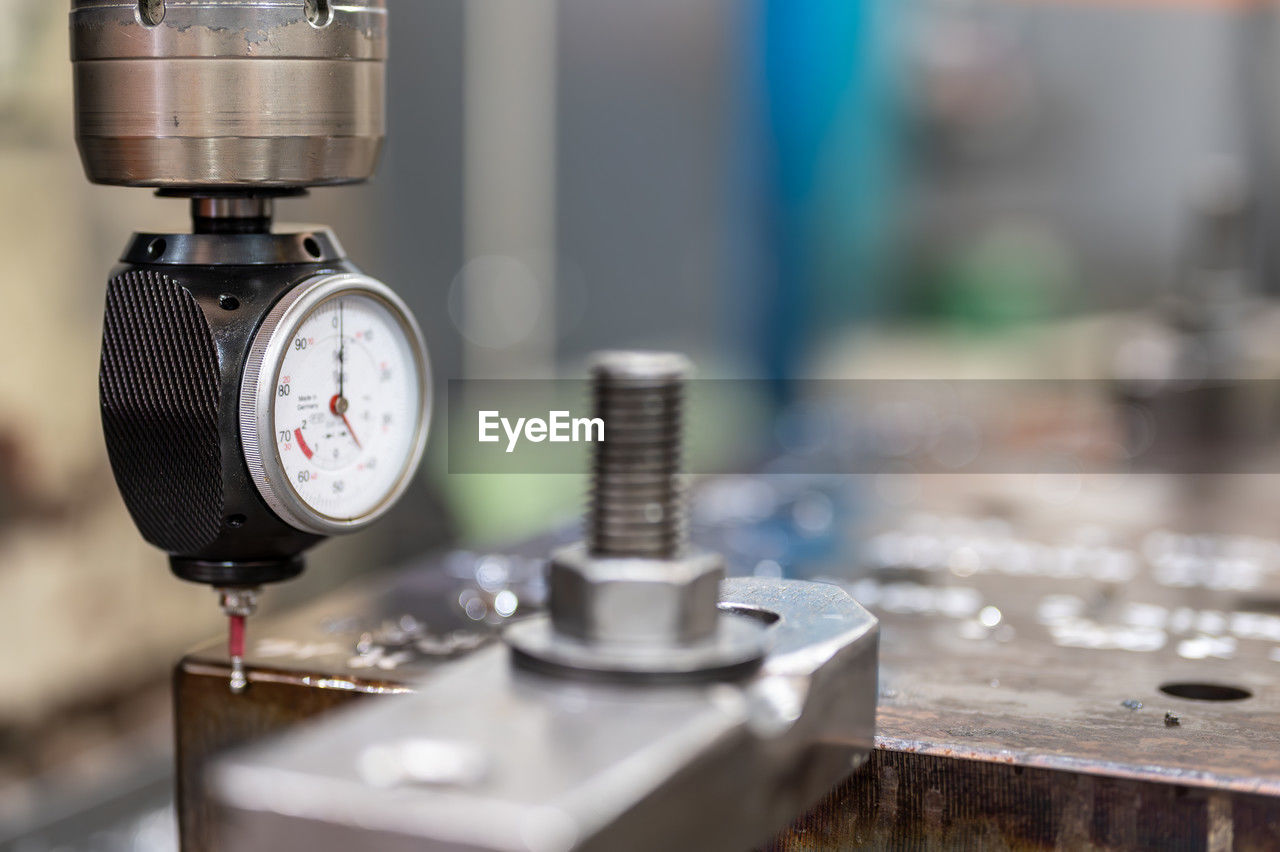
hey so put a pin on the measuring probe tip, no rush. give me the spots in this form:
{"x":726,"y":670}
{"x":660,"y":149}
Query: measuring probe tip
{"x":235,"y":647}
{"x":238,"y":679}
{"x":238,"y":603}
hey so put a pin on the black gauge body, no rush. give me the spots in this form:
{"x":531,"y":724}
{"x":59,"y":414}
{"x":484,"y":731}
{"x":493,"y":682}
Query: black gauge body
{"x":181,"y":314}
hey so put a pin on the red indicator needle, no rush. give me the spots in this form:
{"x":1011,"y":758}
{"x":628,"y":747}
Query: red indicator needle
{"x":338,"y":405}
{"x":351,"y":431}
{"x":302,"y":443}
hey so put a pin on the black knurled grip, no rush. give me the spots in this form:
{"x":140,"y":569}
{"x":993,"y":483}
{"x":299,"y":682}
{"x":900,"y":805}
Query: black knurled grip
{"x":160,"y":395}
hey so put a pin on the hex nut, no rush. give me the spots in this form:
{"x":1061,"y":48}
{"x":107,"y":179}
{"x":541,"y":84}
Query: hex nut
{"x":635,"y":600}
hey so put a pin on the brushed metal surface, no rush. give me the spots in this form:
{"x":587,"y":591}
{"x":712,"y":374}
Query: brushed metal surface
{"x":229,"y":94}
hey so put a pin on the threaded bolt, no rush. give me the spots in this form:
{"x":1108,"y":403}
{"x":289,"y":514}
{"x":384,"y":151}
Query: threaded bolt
{"x":637,"y":494}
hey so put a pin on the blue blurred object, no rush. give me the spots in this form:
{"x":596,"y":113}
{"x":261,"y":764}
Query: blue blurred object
{"x":815,"y":172}
{"x":781,"y":526}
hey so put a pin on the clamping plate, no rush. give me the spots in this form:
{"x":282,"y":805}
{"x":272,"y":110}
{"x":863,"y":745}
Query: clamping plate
{"x":489,"y":756}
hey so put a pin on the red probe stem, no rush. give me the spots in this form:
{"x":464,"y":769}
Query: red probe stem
{"x":237,"y":603}
{"x":235,"y":636}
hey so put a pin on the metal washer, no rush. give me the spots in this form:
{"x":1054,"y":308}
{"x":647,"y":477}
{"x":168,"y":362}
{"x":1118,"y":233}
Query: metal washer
{"x":740,"y":643}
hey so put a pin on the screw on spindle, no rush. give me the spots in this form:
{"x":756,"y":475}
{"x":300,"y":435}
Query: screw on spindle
{"x":637,"y":494}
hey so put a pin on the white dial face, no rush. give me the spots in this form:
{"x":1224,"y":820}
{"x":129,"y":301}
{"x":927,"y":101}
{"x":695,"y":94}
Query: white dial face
{"x":347,"y":406}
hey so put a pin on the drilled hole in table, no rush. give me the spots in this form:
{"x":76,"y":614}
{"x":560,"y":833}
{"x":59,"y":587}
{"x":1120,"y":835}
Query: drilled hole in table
{"x":1206,"y":691}
{"x":1259,"y":603}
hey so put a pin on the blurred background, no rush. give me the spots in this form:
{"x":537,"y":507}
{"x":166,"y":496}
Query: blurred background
{"x":782,"y":189}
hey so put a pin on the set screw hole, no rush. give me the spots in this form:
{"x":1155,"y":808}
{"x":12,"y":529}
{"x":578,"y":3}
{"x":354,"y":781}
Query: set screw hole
{"x":236,"y":520}
{"x":312,"y":247}
{"x":155,"y":248}
{"x":319,"y":12}
{"x":228,"y":303}
{"x":151,"y":12}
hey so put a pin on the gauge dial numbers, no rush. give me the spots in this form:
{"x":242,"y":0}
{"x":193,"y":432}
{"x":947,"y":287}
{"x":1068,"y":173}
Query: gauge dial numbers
{"x":335,"y":403}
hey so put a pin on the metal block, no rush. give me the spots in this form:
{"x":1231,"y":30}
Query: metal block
{"x":488,"y":756}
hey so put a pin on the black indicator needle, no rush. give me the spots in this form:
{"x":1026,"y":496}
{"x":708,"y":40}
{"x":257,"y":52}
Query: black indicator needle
{"x":338,"y":405}
{"x":342,"y":351}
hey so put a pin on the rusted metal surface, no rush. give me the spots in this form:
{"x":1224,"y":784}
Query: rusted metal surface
{"x":904,"y":800}
{"x":1065,"y":672}
{"x":212,"y":720}
{"x":1026,"y":641}
{"x":1028,"y":625}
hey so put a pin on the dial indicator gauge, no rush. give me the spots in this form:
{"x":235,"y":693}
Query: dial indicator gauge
{"x":335,"y":403}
